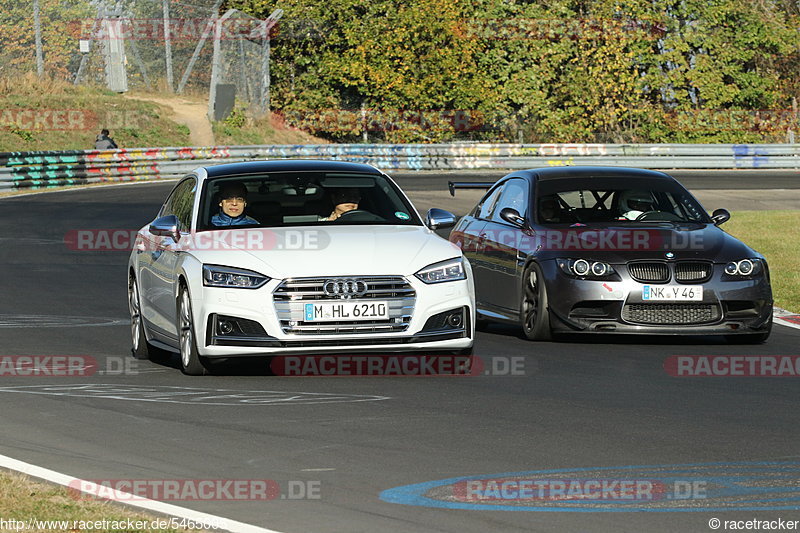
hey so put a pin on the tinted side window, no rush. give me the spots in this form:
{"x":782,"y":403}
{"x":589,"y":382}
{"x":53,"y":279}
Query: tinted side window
{"x":487,"y":204}
{"x":180,"y":203}
{"x":514,"y":195}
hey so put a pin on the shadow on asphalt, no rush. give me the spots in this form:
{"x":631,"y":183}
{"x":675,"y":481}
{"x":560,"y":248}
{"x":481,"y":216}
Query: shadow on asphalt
{"x":239,"y":366}
{"x":615,"y":338}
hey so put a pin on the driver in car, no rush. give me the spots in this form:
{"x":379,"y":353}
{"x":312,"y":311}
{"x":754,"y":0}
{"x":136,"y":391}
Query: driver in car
{"x":549,"y":209}
{"x":232,"y":201}
{"x":634,"y":203}
{"x":344,"y":200}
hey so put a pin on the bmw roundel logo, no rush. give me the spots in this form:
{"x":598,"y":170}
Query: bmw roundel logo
{"x":669,"y":255}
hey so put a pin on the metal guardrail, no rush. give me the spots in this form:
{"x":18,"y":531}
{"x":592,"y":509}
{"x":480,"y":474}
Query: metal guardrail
{"x":52,"y":168}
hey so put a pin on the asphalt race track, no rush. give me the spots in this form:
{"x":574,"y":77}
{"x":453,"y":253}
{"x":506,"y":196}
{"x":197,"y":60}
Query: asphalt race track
{"x":594,"y":409}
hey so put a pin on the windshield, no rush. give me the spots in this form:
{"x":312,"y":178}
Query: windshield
{"x":605,"y":200}
{"x":302,"y":199}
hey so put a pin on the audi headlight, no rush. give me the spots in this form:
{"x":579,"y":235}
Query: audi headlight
{"x":584,"y":268}
{"x":744,"y":268}
{"x":220,"y":276}
{"x":450,"y":270}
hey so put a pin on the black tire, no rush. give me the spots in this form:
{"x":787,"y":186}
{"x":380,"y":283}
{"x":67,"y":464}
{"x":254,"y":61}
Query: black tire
{"x":534,"y":314}
{"x":140,"y":348}
{"x":192,"y":364}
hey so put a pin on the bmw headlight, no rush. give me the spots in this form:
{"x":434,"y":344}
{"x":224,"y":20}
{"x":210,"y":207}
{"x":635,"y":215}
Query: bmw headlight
{"x":450,"y":270}
{"x":220,"y":276}
{"x":585,"y":268}
{"x":744,"y":268}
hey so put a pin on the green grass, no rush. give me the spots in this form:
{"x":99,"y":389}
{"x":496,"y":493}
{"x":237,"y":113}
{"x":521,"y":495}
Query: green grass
{"x":83,"y":111}
{"x":774,"y":234}
{"x":24,"y":499}
{"x":237,"y":130}
{"x":133,"y":123}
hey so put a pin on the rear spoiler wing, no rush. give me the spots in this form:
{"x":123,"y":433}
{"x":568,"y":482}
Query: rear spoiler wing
{"x":453,"y":185}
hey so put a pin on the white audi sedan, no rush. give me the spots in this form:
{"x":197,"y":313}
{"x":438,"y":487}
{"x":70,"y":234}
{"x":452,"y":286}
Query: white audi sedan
{"x":280,"y":257}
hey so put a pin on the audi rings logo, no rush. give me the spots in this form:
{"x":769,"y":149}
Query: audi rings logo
{"x":344,"y":288}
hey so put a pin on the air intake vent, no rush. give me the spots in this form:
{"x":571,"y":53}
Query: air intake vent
{"x":674,"y":314}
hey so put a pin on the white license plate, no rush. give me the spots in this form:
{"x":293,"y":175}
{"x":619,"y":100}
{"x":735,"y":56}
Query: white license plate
{"x":675,"y":293}
{"x":345,"y":311}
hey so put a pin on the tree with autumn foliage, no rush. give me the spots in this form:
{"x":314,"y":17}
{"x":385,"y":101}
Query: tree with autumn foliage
{"x":401,"y":71}
{"x":60,"y":45}
{"x":505,"y":70}
{"x":580,"y":71}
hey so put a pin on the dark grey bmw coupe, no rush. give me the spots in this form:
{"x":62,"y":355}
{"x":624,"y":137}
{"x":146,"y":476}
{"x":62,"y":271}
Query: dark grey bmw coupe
{"x":610,"y":250}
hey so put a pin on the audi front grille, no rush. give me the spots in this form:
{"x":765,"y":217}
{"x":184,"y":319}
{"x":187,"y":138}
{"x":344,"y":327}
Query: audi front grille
{"x":291,"y":295}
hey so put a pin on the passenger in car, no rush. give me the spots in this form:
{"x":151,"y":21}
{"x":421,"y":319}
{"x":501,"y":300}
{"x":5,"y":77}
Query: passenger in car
{"x":344,"y":200}
{"x":232,"y":202}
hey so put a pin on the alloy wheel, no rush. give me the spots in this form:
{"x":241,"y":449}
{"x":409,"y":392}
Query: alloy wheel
{"x":186,"y":333}
{"x":531,"y":299}
{"x":135,"y":309}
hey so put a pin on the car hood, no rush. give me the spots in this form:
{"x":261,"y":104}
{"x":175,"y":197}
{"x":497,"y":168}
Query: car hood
{"x":331,"y":251}
{"x":618,"y":243}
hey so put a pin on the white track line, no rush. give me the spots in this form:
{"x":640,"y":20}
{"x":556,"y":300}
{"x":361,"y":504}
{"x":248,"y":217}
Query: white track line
{"x":135,"y":501}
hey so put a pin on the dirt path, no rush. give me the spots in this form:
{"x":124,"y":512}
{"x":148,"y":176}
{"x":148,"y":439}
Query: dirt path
{"x":189,"y":113}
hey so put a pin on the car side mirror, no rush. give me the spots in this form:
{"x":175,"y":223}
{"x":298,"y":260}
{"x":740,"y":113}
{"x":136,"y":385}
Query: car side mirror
{"x":166,"y":227}
{"x":439,"y":218}
{"x":512,"y":216}
{"x":720,"y":216}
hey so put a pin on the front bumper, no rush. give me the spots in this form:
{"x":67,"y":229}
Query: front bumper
{"x":253,"y":325}
{"x":729,"y":307}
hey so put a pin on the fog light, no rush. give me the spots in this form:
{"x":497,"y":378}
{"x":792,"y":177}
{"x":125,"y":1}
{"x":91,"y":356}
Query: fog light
{"x":454,"y":320}
{"x":225,"y":327}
